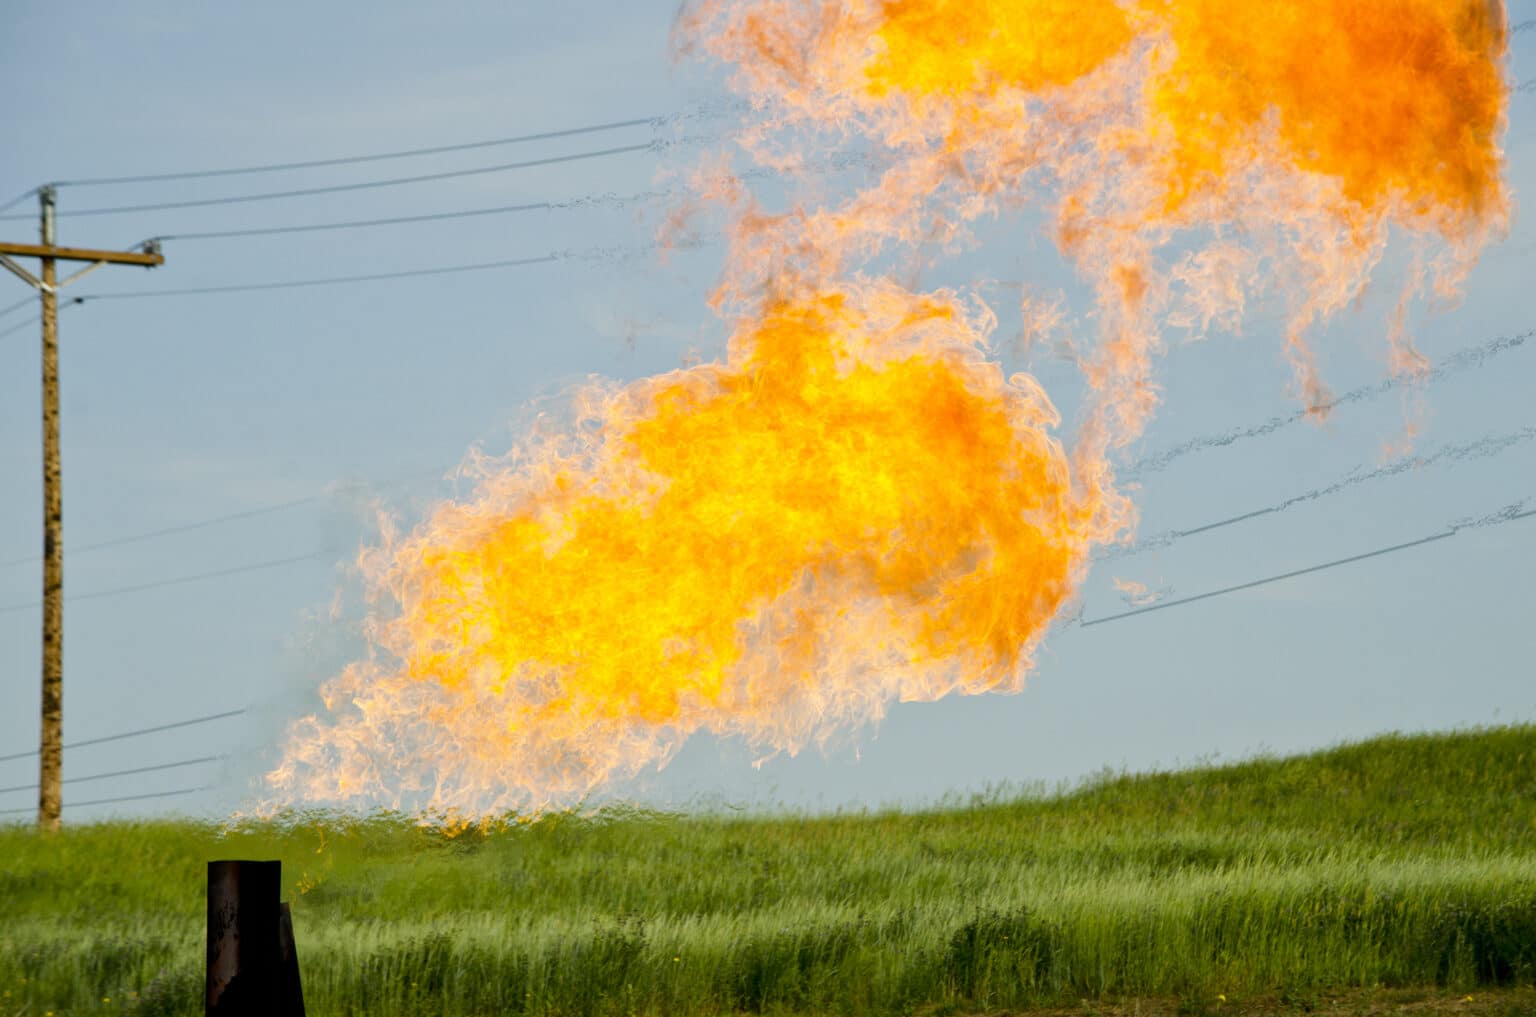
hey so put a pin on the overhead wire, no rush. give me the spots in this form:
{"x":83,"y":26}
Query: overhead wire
{"x":113,"y":801}
{"x":19,"y":326}
{"x":199,"y":577}
{"x":349,"y":160}
{"x":1462,"y":360}
{"x":703,"y":112}
{"x":1453,"y":452}
{"x":303,"y":192}
{"x":228,"y":517}
{"x":1506,"y":516}
{"x":609,"y":199}
{"x":121,"y":735}
{"x":330,"y":280}
{"x":401,"y":220}
{"x":23,"y":196}
{"x":28,"y":323}
{"x":167,"y":531}
{"x":597,"y":254}
{"x":589,"y":201}
{"x":120,"y":773}
{"x":18,"y":305}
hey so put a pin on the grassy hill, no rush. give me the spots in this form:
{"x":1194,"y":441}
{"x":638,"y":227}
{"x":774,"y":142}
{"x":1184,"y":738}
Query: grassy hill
{"x":1401,"y":865}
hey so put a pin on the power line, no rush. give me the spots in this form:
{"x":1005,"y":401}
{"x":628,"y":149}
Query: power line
{"x":19,"y":326}
{"x":593,"y":200}
{"x":120,"y":773}
{"x":599,"y":254}
{"x":170,"y":530}
{"x":68,"y":302}
{"x":134,"y":734}
{"x":228,"y":517}
{"x":18,"y":199}
{"x":111,"y":801}
{"x":1494,"y":520}
{"x":18,"y":305}
{"x":1270,"y":579}
{"x":609,"y":199}
{"x":1461,"y":360}
{"x":183,"y":527}
{"x":360,"y":223}
{"x":650,"y":146}
{"x":588,"y":201}
{"x":331,"y":280}
{"x":179,"y":580}
{"x":349,"y":160}
{"x":1485,"y":447}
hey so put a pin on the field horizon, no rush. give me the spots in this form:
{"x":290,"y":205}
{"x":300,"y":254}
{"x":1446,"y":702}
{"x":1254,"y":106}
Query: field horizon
{"x":1392,"y":875}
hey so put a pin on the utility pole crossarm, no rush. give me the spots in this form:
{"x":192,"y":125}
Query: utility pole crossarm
{"x":149,"y":259}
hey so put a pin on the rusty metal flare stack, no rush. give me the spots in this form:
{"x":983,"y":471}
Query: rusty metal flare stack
{"x":253,"y":968}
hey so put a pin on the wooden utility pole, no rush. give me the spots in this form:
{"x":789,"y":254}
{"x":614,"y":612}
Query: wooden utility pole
{"x":50,"y":753}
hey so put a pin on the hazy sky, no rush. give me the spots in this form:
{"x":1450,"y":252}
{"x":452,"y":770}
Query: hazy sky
{"x":185,"y":408}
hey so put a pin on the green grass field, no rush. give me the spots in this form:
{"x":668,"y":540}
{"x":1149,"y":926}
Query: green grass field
{"x":1401,"y":869}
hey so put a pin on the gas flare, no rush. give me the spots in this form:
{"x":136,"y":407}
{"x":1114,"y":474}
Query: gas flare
{"x":856,"y":506}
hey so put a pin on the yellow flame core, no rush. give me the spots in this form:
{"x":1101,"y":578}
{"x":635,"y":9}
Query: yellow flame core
{"x":910,"y":479}
{"x":957,"y":46}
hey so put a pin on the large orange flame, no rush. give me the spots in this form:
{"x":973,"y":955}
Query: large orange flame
{"x":856,"y":506}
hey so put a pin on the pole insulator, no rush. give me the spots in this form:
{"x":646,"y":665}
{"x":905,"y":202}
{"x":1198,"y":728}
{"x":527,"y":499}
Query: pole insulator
{"x":48,"y":198}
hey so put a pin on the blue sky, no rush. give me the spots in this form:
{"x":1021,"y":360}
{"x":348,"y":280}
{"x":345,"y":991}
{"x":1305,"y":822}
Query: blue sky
{"x":181,"y":409}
